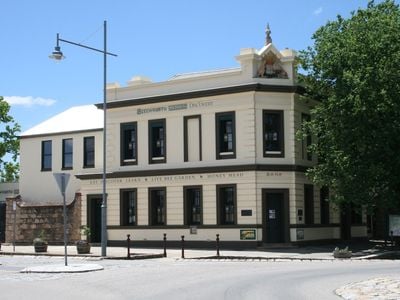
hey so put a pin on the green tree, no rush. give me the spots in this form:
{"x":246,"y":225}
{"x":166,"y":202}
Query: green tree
{"x":353,"y":69}
{"x":9,"y":144}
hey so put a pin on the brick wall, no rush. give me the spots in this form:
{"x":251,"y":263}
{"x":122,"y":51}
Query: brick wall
{"x":31,"y":219}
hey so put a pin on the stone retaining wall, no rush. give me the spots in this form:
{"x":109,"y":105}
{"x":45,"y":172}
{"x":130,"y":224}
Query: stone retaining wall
{"x":31,"y":219}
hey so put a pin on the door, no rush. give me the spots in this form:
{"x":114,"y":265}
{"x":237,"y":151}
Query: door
{"x":2,"y":222}
{"x":94,"y":217}
{"x":275,"y":216}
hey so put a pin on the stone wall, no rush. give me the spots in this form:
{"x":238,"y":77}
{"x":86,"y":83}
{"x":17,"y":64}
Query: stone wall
{"x":31,"y":219}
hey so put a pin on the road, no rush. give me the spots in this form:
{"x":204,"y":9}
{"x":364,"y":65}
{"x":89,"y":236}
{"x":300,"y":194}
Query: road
{"x":187,"y":279}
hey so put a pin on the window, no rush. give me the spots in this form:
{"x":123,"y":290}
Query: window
{"x":157,"y":206}
{"x":46,"y":155}
{"x":309,"y":204}
{"x":226,"y":204}
{"x":157,"y":141}
{"x":88,"y":152}
{"x":128,"y":143}
{"x":192,"y":138}
{"x":128,"y":205}
{"x":306,"y":142}
{"x":273,"y":138}
{"x":225,"y":135}
{"x":193,"y":205}
{"x":324,"y":205}
{"x":67,"y":158}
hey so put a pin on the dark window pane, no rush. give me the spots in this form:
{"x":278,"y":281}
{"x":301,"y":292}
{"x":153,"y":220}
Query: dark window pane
{"x":226,"y":204}
{"x":46,"y":155}
{"x":225,"y":135}
{"x":157,"y":205}
{"x":129,"y":208}
{"x":129,"y":142}
{"x":309,"y":204}
{"x":88,"y":159}
{"x":157,"y":141}
{"x":273,"y":132}
{"x":193,"y":206}
{"x":67,"y":153}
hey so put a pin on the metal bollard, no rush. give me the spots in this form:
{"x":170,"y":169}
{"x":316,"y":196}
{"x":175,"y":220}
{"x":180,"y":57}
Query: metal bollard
{"x":128,"y":244}
{"x":183,"y":246}
{"x":217,"y":245}
{"x":165,"y":244}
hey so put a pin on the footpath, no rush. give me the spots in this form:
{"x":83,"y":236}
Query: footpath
{"x":377,"y":288}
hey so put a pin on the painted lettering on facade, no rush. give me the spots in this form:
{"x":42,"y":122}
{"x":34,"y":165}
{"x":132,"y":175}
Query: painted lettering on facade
{"x":175,"y":107}
{"x":273,"y":173}
{"x":166,"y":179}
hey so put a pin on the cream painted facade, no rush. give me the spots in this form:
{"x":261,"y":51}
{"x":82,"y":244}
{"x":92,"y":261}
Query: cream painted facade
{"x":247,"y":95}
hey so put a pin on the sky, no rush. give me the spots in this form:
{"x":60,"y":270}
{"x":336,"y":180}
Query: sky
{"x":152,"y":38}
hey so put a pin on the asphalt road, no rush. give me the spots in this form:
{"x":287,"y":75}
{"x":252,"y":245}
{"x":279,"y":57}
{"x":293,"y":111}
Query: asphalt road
{"x":188,"y":279}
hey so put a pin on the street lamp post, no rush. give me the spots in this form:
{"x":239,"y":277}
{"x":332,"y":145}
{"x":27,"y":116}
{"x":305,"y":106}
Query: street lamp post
{"x":58,"y":55}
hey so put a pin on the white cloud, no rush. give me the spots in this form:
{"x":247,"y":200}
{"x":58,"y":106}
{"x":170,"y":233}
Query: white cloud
{"x":29,"y":101}
{"x":318,"y":11}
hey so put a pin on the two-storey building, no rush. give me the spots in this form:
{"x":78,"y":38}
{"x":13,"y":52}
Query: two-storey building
{"x":212,"y":153}
{"x":198,"y":155}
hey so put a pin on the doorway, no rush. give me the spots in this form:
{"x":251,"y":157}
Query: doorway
{"x":2,"y":222}
{"x":94,"y":217}
{"x":275,"y":208}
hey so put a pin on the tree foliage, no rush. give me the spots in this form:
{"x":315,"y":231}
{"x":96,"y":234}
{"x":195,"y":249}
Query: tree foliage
{"x":9,"y":144}
{"x":353,"y":69}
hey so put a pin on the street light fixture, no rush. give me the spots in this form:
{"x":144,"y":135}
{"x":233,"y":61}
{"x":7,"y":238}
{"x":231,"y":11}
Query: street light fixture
{"x":58,"y":55}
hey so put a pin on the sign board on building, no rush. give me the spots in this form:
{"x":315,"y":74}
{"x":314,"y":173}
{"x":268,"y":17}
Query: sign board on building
{"x":246,"y":212}
{"x":247,"y":234}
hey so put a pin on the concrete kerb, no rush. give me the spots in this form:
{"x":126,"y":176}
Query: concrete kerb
{"x":71,"y":268}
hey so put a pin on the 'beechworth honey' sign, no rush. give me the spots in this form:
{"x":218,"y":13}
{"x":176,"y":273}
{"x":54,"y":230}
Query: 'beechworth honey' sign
{"x":174,"y":107}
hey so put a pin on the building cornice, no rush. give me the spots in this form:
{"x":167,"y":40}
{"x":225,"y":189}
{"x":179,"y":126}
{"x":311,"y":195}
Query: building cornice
{"x":198,"y":170}
{"x":252,"y":87}
{"x":60,"y":133}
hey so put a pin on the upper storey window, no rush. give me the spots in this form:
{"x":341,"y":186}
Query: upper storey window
{"x":157,"y":141}
{"x":88,"y":152}
{"x":67,"y":150}
{"x":273,"y":137}
{"x":129,"y":143}
{"x":46,"y":155}
{"x":225,"y":135}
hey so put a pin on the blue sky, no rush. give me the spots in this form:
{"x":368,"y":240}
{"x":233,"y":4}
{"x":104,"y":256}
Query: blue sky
{"x":153,"y":38}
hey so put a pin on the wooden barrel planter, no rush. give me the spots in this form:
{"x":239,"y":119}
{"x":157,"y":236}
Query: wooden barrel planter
{"x":40,"y":245}
{"x":82,"y":247}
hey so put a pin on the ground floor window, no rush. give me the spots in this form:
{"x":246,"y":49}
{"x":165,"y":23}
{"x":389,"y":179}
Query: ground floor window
{"x":226,"y":204}
{"x":128,"y":207}
{"x":309,"y":204}
{"x":193,"y":205}
{"x":157,"y":206}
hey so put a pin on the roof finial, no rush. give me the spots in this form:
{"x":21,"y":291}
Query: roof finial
{"x":268,"y":39}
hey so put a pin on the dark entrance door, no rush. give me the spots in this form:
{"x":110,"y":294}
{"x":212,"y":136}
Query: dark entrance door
{"x":2,"y":222}
{"x":275,"y":216}
{"x":94,"y":217}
